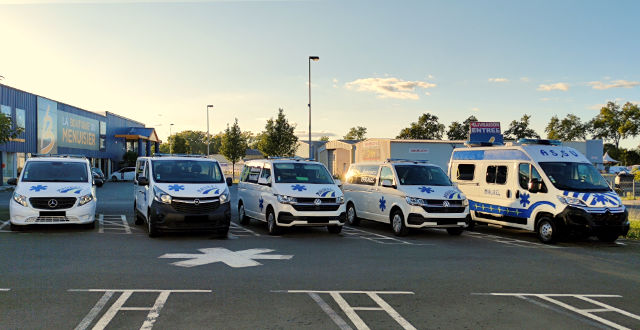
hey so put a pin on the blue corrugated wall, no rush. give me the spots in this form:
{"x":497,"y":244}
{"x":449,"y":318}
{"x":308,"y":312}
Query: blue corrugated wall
{"x":26,"y":101}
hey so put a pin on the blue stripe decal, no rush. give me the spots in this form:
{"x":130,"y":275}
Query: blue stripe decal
{"x":490,"y":155}
{"x":575,"y":195}
{"x":585,"y":196}
{"x":566,"y":193}
{"x":507,"y":211}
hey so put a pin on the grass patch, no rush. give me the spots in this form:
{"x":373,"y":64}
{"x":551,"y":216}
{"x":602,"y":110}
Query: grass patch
{"x":634,"y":231}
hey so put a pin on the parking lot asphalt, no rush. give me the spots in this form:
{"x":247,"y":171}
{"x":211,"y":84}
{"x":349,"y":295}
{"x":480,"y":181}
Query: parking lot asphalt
{"x":116,"y":277}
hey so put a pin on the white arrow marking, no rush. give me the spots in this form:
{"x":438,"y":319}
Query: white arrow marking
{"x":238,"y":259}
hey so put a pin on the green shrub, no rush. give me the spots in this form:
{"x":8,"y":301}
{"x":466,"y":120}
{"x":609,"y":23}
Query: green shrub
{"x":634,"y":231}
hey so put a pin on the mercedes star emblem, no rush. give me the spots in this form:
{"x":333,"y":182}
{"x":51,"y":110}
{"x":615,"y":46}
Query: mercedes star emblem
{"x":52,"y":203}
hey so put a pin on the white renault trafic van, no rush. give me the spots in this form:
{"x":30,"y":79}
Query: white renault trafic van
{"x":53,"y":189}
{"x":540,"y":186}
{"x":176,"y":193}
{"x":290,"y":192}
{"x":406,"y":194}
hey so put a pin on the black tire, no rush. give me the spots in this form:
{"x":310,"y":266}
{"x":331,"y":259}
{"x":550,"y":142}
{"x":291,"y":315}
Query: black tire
{"x":99,"y":184}
{"x":547,"y":230}
{"x":352,"y":217}
{"x":471,"y":225}
{"x":272,"y":226}
{"x":334,"y":229}
{"x":17,"y":227}
{"x":90,"y":225}
{"x":114,"y":179}
{"x":397,"y":223}
{"x":222,"y":233}
{"x":242,"y":215}
{"x":608,"y":237}
{"x":456,"y":231}
{"x":139,"y":220}
{"x":152,"y":230}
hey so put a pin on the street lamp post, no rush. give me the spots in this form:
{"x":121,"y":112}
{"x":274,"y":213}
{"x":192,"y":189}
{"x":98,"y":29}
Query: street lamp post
{"x":208,"y":137}
{"x":170,"y":141}
{"x":311,"y":58}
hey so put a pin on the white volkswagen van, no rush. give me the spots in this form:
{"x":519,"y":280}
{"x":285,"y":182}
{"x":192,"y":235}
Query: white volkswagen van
{"x":179,"y":193}
{"x":53,"y":189}
{"x":540,"y":186}
{"x":406,"y":194}
{"x":290,"y":192}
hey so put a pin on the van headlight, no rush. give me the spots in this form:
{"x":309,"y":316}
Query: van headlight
{"x":286,"y":199}
{"x":340,"y":200}
{"x":224,"y":197}
{"x":465,"y":202}
{"x":571,"y":201}
{"x":20,"y":199}
{"x":160,"y":196}
{"x":414,"y":201}
{"x":85,"y":199}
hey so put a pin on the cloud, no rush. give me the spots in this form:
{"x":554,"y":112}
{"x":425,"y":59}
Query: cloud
{"x":525,"y":79}
{"x":475,"y":109}
{"x":498,"y":80}
{"x":597,"y":106}
{"x":304,"y":135}
{"x":557,"y":86}
{"x":613,"y":84}
{"x":335,"y":83}
{"x":393,"y":88}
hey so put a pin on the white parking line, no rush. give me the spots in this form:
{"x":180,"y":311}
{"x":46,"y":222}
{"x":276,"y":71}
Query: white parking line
{"x":100,"y":223}
{"x":510,"y":241}
{"x":4,"y":224}
{"x":113,"y":224}
{"x":126,"y":224}
{"x":586,"y":312}
{"x":238,"y":230}
{"x":1,"y":289}
{"x":377,"y":238}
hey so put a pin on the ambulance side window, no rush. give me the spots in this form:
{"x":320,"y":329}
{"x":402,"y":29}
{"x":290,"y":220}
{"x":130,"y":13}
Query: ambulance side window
{"x":465,"y":172}
{"x":526,"y":172}
{"x":496,"y":174}
{"x":254,"y":172}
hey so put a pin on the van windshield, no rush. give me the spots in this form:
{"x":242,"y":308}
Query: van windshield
{"x":41,"y":171}
{"x":574,"y":176}
{"x":301,"y":173}
{"x":186,"y":171}
{"x":413,"y":175}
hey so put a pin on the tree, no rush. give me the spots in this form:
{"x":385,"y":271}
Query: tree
{"x":520,"y":130}
{"x":427,"y":128}
{"x":129,"y":158}
{"x":177,"y":143}
{"x":615,"y":124}
{"x":459,"y":131}
{"x":234,"y":145}
{"x":7,"y":131}
{"x":356,"y":133}
{"x":324,"y":138}
{"x":278,"y":139}
{"x":568,"y":129}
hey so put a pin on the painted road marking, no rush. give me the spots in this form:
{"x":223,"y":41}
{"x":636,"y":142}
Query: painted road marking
{"x":510,"y":241}
{"x":4,"y":224}
{"x":377,"y":238}
{"x":118,"y":305}
{"x":588,"y":313}
{"x":351,"y":311}
{"x":239,"y":231}
{"x":113,"y":224}
{"x":238,"y":259}
{"x":1,"y":289}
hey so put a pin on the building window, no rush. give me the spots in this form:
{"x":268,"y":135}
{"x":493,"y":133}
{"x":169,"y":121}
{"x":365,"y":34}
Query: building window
{"x":21,"y":118}
{"x":6,"y":110}
{"x":103,"y":144}
{"x":103,"y":128}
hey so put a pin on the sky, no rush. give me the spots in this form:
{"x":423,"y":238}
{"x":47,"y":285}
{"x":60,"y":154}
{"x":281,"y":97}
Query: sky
{"x":382,"y":63}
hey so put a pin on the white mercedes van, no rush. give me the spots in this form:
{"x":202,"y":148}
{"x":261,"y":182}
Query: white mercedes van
{"x":53,"y":189}
{"x":538,"y":185}
{"x":290,"y":192}
{"x":406,"y":194}
{"x":180,"y":193}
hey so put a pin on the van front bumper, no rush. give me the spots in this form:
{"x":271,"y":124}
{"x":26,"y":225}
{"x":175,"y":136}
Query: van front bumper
{"x":166,"y":218}
{"x":288,"y":216}
{"x":578,"y":220}
{"x":419,"y":218}
{"x":22,"y":216}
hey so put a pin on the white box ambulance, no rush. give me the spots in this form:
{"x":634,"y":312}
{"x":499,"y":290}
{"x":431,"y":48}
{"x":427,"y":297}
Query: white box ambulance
{"x":538,"y":185}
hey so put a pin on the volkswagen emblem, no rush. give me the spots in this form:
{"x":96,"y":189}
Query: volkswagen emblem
{"x":318,"y":201}
{"x":52,"y":203}
{"x":196,"y":201}
{"x":446,"y":204}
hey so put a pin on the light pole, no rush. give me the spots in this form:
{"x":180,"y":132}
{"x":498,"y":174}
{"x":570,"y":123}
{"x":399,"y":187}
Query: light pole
{"x":208,"y":137}
{"x":315,"y":59}
{"x":170,"y":142}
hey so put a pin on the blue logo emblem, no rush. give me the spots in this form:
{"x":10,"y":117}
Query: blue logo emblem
{"x":207,"y":189}
{"x":298,"y":187}
{"x":524,"y":199}
{"x":76,"y":190}
{"x":326,"y":192}
{"x":383,"y":203}
{"x":426,"y":190}
{"x":176,"y":187}
{"x":450,"y":194}
{"x":38,"y":188}
{"x":261,"y":203}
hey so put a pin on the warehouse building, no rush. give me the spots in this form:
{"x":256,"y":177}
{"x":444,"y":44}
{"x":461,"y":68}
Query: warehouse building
{"x":337,"y":156}
{"x":52,"y":127}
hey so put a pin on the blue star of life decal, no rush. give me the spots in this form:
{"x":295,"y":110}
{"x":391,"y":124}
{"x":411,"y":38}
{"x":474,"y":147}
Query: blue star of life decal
{"x":524,"y":199}
{"x":176,"y":187}
{"x":426,"y":190}
{"x":602,"y":198}
{"x":261,"y":203}
{"x":298,"y":187}
{"x":38,"y":188}
{"x":383,"y":203}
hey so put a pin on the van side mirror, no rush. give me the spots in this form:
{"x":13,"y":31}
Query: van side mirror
{"x":143,"y":181}
{"x":534,"y":186}
{"x":263,"y":181}
{"x":337,"y":182}
{"x":229,"y":182}
{"x":12,"y":181}
{"x":388,"y":184}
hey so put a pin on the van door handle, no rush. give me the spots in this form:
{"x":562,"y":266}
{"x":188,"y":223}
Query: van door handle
{"x":517,"y":194}
{"x":508,"y":193}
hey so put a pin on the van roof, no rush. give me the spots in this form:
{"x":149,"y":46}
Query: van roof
{"x":282,"y":160}
{"x":175,"y":157}
{"x":57,"y":158}
{"x":531,"y":152}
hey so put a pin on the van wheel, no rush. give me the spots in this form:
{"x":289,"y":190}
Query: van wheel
{"x":547,"y":230}
{"x":352,"y":217}
{"x":114,"y":179}
{"x":242,"y":215}
{"x":222,"y":233}
{"x":608,"y":237}
{"x":152,"y":230}
{"x":90,"y":225}
{"x":397,"y":223}
{"x":139,"y":219}
{"x":334,"y":229}
{"x":272,"y":226}
{"x":455,"y":231}
{"x":471,"y":225}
